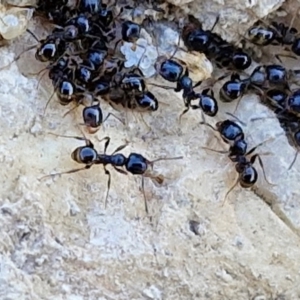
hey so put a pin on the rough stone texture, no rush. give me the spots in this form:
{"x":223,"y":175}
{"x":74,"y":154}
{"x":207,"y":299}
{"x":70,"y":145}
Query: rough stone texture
{"x":58,"y":241}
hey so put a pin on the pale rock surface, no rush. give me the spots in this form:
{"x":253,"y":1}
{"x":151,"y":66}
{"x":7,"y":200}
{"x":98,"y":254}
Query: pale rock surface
{"x":58,"y":241}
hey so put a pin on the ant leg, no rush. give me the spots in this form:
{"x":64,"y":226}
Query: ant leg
{"x":80,"y":138}
{"x":217,"y":151}
{"x":238,"y":103}
{"x":206,"y":124}
{"x":111,"y":114}
{"x":260,"y":144}
{"x":120,"y":170}
{"x":277,"y":56}
{"x":120,"y":148}
{"x":162,"y":86}
{"x":252,"y":160}
{"x":55,"y":87}
{"x":184,"y":112}
{"x":66,"y":172}
{"x":294,"y":160}
{"x":107,"y":141}
{"x":108,"y":185}
{"x":144,"y":194}
{"x":230,"y":190}
{"x":70,"y":110}
{"x":197,"y":84}
{"x":152,"y":162}
{"x":145,"y":123}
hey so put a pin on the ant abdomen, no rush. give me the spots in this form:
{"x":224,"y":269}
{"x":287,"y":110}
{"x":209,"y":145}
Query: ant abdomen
{"x":84,"y":155}
{"x":136,"y":164}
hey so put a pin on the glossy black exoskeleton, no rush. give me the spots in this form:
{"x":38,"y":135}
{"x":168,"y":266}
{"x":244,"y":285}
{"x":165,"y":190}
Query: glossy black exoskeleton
{"x":100,"y":87}
{"x":92,"y":118}
{"x":81,"y":22}
{"x":230,"y":131}
{"x":135,"y":163}
{"x":276,"y":75}
{"x":261,"y":35}
{"x":65,"y":91}
{"x":50,"y":50}
{"x":276,"y":98}
{"x":240,"y":60}
{"x":146,"y":101}
{"x":170,"y":69}
{"x":233,"y":89}
{"x":130,"y":31}
{"x":207,"y":102}
{"x":293,"y":103}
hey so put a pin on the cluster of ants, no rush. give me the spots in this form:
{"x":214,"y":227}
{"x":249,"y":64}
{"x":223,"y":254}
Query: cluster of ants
{"x":86,"y":65}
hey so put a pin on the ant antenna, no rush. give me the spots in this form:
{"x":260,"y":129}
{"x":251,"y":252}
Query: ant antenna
{"x":294,"y":160}
{"x":216,"y":22}
{"x":33,"y":35}
{"x":144,"y":194}
{"x":236,"y":118}
{"x":164,"y":158}
{"x":18,"y":56}
{"x":230,"y":190}
{"x":177,"y":46}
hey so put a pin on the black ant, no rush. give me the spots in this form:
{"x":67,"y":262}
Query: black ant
{"x":262,"y":78}
{"x":263,"y":34}
{"x":214,"y":47}
{"x":229,"y":130}
{"x":233,"y":134}
{"x":175,"y":70}
{"x":135,"y":163}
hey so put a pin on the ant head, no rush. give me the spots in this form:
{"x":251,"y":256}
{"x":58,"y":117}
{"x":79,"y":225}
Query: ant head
{"x":232,"y":90}
{"x":50,"y":49}
{"x":248,"y":175}
{"x":136,"y":164}
{"x":84,"y":155}
{"x":241,"y":60}
{"x":65,"y":92}
{"x":147,"y":101}
{"x":92,"y":118}
{"x":208,"y":104}
{"x":130,"y":31}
